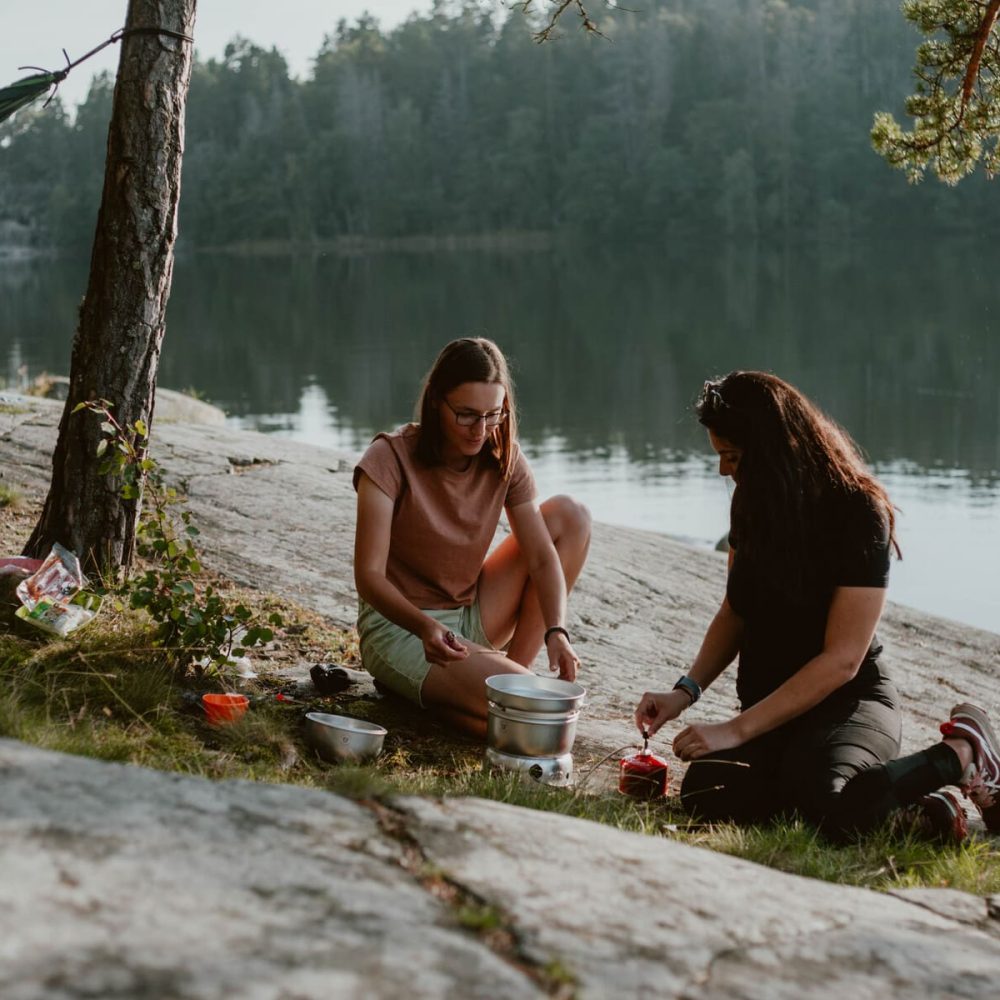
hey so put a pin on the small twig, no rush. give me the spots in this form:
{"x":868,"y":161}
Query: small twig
{"x":701,"y":791}
{"x":718,"y":760}
{"x":588,"y":23}
{"x":603,"y":760}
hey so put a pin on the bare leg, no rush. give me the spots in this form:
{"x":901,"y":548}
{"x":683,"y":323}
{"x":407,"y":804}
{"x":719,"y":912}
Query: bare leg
{"x":457,"y":692}
{"x":508,"y":603}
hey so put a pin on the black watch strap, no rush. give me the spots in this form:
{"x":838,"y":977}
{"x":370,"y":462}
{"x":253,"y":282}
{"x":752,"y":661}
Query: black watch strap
{"x":690,"y":687}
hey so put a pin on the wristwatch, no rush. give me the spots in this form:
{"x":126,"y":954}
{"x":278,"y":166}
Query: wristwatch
{"x":691,"y":688}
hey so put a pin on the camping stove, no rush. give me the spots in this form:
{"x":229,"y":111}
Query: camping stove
{"x":557,"y":771}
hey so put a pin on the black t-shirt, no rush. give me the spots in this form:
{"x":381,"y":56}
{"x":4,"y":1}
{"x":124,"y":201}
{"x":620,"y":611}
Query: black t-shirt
{"x":785,"y":621}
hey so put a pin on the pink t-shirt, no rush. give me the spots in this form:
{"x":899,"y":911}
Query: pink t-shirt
{"x":443,"y":521}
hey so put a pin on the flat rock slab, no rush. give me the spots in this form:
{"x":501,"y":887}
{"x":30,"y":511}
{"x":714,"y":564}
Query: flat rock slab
{"x":638,"y":916}
{"x":120,"y":882}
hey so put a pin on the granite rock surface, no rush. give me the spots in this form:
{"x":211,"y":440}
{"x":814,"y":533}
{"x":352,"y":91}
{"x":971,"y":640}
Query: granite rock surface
{"x":122,"y":883}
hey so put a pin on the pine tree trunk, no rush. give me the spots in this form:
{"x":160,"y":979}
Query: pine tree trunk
{"x":116,"y":349}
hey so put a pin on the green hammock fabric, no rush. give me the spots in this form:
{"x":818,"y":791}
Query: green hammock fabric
{"x":23,"y":92}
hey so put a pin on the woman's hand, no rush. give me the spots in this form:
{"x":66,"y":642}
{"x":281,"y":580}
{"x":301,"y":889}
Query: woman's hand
{"x":441,"y":645}
{"x":700,"y":739}
{"x":658,"y":707}
{"x":562,"y":657}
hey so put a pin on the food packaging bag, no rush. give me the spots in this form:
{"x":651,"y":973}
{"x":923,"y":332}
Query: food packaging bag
{"x":52,"y":597}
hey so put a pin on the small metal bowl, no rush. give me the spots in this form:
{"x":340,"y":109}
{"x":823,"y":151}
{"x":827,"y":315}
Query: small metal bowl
{"x":340,"y":738}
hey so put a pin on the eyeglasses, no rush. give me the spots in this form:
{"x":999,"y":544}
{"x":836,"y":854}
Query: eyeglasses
{"x":469,"y":418}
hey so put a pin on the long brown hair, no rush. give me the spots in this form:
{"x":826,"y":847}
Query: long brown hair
{"x":469,"y":359}
{"x":793,"y":456}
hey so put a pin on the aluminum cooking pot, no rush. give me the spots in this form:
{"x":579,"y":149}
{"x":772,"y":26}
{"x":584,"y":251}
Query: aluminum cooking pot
{"x":530,"y":734}
{"x":531,"y":693}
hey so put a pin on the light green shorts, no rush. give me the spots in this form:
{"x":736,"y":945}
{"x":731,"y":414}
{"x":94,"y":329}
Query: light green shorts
{"x":395,"y":657}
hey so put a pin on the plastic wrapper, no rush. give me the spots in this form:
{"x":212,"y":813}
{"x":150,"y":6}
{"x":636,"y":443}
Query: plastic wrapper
{"x":60,"y":618}
{"x":57,"y":579}
{"x":52,"y":598}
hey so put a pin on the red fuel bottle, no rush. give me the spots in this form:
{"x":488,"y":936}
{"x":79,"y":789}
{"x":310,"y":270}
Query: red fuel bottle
{"x":643,"y":775}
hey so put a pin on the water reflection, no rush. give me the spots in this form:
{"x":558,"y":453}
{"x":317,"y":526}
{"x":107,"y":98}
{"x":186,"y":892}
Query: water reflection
{"x":609,"y":350}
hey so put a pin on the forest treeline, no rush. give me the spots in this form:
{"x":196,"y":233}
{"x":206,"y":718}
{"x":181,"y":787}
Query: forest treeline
{"x":737,"y":118}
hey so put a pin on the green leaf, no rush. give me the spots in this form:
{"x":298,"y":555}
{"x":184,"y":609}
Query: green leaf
{"x":140,"y":427}
{"x":102,"y":447}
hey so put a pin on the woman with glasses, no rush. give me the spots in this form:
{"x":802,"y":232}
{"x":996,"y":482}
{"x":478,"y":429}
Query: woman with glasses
{"x":819,"y":727}
{"x":439,"y":612}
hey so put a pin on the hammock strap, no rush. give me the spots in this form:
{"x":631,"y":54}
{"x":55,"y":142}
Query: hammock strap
{"x":117,"y":37}
{"x":59,"y":75}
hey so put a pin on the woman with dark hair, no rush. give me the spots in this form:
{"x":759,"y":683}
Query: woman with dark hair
{"x":819,"y":727}
{"x":437,"y":613}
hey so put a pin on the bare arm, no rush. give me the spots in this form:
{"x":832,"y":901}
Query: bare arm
{"x":718,"y":650}
{"x":546,"y":573}
{"x":719,"y":647}
{"x":371,"y":554}
{"x":854,"y":614}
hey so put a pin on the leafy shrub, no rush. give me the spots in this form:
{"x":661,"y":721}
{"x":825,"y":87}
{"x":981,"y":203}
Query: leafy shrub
{"x":196,"y":621}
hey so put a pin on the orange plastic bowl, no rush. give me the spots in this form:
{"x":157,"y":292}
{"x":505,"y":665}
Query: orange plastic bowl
{"x":224,"y":708}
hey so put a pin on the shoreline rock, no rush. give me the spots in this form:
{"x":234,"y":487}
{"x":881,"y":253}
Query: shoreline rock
{"x":121,"y":882}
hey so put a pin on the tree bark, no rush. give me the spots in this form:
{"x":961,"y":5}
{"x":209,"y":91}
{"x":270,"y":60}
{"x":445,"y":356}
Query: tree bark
{"x":975,"y":60}
{"x":116,"y":349}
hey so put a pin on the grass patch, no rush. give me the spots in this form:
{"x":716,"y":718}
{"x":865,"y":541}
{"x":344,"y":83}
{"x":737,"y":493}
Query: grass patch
{"x":480,"y":918}
{"x":108,"y":692}
{"x":881,"y":860}
{"x":10,"y":497}
{"x":13,"y":409}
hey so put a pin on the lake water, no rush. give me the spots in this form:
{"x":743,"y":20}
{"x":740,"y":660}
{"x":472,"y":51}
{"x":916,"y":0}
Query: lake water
{"x":897,"y":342}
